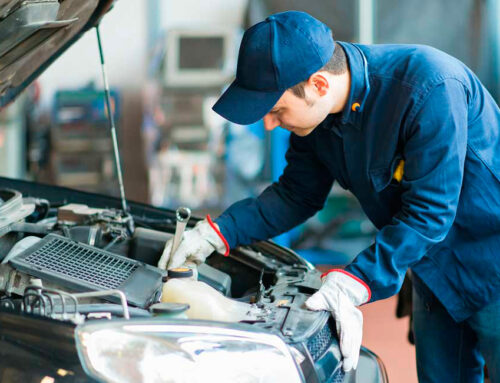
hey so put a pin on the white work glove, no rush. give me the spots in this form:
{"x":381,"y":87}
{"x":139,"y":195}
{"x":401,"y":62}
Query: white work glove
{"x":196,"y":245}
{"x":340,"y":293}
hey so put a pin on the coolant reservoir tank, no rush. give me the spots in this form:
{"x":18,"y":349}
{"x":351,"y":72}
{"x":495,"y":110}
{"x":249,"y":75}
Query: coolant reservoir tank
{"x":204,"y":301}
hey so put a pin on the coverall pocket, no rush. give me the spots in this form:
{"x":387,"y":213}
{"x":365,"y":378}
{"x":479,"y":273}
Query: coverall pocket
{"x":382,"y":177}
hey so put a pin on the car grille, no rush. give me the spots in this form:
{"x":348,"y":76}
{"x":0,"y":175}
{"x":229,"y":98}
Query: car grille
{"x":319,"y":343}
{"x":338,"y":377}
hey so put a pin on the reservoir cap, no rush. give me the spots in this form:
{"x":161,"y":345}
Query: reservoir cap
{"x":180,"y":272}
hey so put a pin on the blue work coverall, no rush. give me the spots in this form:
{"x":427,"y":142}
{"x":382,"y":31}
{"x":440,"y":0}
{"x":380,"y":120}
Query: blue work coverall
{"x":422,"y":110}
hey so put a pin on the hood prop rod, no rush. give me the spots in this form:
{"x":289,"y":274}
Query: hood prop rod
{"x":112,"y":123}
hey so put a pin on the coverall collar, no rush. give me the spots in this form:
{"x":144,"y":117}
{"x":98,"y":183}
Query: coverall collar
{"x":360,"y":84}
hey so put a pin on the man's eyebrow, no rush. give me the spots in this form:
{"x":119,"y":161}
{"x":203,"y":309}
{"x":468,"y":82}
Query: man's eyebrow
{"x":275,"y":109}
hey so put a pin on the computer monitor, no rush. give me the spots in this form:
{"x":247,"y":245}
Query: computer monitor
{"x":201,"y":57}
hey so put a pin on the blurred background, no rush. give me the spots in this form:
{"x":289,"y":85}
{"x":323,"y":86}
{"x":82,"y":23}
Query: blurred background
{"x":168,"y":61}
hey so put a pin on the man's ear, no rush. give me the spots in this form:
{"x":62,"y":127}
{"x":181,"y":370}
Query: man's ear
{"x":319,"y":83}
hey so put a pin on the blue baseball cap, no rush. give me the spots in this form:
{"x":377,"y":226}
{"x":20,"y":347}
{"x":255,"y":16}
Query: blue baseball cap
{"x":275,"y":54}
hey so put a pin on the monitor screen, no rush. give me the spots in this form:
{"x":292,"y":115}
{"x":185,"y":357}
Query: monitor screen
{"x":201,"y":52}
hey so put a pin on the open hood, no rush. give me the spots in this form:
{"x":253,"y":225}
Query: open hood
{"x":35,"y":32}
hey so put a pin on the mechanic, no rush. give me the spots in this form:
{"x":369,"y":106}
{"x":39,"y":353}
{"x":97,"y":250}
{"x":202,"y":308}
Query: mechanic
{"x":415,"y":136}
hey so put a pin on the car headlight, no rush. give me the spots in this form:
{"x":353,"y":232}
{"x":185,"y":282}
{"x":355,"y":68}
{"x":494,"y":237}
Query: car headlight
{"x":181,"y":353}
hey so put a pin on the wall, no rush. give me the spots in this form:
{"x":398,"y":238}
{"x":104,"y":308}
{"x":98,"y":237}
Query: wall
{"x":175,"y":13}
{"x":462,"y":28}
{"x":123,"y":34}
{"x":340,"y":15}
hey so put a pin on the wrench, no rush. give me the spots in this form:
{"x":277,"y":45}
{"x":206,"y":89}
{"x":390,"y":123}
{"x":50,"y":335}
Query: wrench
{"x":182,"y":215}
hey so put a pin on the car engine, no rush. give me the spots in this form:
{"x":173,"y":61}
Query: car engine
{"x":74,"y":257}
{"x":66,"y":260}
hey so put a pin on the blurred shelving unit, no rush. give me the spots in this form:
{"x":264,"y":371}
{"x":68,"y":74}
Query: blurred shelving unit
{"x":81,"y":150}
{"x":184,"y":137}
{"x":184,"y":169}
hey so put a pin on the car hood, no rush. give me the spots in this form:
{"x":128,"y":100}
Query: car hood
{"x":35,"y":33}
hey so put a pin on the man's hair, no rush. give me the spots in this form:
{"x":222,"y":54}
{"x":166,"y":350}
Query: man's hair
{"x":336,"y":65}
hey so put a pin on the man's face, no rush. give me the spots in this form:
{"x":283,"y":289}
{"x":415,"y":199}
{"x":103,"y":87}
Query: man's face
{"x":294,"y":114}
{"x":302,"y":115}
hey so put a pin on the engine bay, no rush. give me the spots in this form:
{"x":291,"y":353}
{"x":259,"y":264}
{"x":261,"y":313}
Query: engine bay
{"x":71,"y":262}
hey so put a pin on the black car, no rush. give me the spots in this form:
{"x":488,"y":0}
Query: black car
{"x":79,"y":286}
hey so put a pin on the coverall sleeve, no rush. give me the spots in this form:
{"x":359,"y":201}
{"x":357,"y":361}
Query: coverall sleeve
{"x":299,"y":193}
{"x":434,"y":155}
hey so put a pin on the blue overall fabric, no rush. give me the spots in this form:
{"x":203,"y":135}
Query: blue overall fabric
{"x":448,"y":351}
{"x":442,"y":219}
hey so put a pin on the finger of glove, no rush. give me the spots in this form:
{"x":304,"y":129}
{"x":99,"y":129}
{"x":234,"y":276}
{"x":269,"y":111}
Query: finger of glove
{"x":162,"y":263}
{"x":350,"y":328}
{"x":199,"y":252}
{"x":180,"y":256}
{"x":358,"y":338}
{"x":346,"y":344}
{"x":196,"y":260}
{"x":194,"y":249}
{"x":193,"y":266}
{"x":317,"y":302}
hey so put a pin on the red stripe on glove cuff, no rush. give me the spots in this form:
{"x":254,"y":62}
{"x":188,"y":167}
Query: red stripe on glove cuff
{"x":353,"y":277}
{"x":210,"y":222}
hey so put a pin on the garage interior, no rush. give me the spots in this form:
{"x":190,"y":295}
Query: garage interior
{"x":167,"y":63}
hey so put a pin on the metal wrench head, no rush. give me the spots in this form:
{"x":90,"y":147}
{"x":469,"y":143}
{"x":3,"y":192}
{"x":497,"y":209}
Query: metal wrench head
{"x":183,"y":214}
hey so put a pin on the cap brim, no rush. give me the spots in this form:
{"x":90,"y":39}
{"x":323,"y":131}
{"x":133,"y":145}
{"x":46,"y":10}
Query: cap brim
{"x":243,"y":106}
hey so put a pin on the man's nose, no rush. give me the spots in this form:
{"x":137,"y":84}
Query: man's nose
{"x":270,"y":122}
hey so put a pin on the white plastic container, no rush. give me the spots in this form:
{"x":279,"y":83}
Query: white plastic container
{"x":204,"y":301}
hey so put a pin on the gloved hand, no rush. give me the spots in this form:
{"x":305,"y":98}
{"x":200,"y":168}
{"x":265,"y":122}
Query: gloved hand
{"x":196,"y":245}
{"x":340,"y":293}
